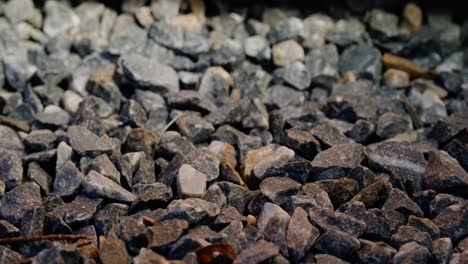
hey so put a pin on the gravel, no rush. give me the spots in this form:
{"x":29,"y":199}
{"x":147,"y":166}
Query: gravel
{"x":220,"y":132}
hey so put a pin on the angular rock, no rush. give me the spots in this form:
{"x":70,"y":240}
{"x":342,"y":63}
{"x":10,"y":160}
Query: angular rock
{"x":140,"y":139}
{"x":164,"y":235}
{"x":327,"y":219}
{"x":442,"y":249}
{"x":412,"y":253}
{"x":297,"y":75}
{"x":11,"y":169}
{"x":391,"y":124}
{"x":98,"y":186}
{"x":141,"y":71}
{"x":40,"y":140}
{"x":16,"y":202}
{"x":399,"y":201}
{"x":272,"y":222}
{"x":425,"y":225}
{"x":261,"y":251}
{"x":290,"y":28}
{"x":452,"y":221}
{"x":193,"y":210}
{"x":396,"y":78}
{"x":337,"y":160}
{"x":339,"y":190}
{"x":194,"y":127}
{"x":301,"y":234}
{"x":146,"y":171}
{"x":68,"y":180}
{"x":337,"y":243}
{"x":279,"y":189}
{"x":280,"y":157}
{"x":103,"y":165}
{"x":191,"y":100}
{"x":329,"y":135}
{"x":191,"y":182}
{"x":407,"y":234}
{"x":205,"y":161}
{"x":61,"y":253}
{"x":86,"y":142}
{"x":257,"y":47}
{"x":302,"y":142}
{"x":401,"y":161}
{"x":113,"y":250}
{"x":362,"y":60}
{"x":286,"y":52}
{"x":109,"y":216}
{"x":151,"y":196}
{"x":444,"y":173}
{"x":375,"y":251}
{"x":40,"y":177}
{"x":362,"y":131}
{"x":132,"y":231}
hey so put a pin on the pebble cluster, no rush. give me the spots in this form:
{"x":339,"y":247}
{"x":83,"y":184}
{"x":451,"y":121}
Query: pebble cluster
{"x":174,"y":131}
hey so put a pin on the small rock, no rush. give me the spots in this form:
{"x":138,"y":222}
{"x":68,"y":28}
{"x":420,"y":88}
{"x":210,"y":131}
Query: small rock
{"x":396,"y":78}
{"x":64,"y":154}
{"x":302,"y":142}
{"x":442,"y":249}
{"x":215,"y":83}
{"x":412,"y":253}
{"x":452,"y":221}
{"x":140,"y":139}
{"x":281,"y":156}
{"x":113,"y":250}
{"x":391,"y":124}
{"x":375,"y":251}
{"x":8,"y":230}
{"x":132,"y":231}
{"x":193,"y":210}
{"x":146,"y":171}
{"x":316,"y":27}
{"x":79,"y":212}
{"x":286,"y":52}
{"x":346,"y":32}
{"x":96,"y":185}
{"x":441,"y":201}
{"x":105,"y":167}
{"x":297,"y":75}
{"x":362,"y":131}
{"x":140,"y":71}
{"x":337,"y":243}
{"x":412,"y":17}
{"x":319,"y":197}
{"x":257,"y":47}
{"x":362,"y":60}
{"x":40,"y":140}
{"x":17,"y":11}
{"x":205,"y":161}
{"x":291,"y":28}
{"x":425,"y":225}
{"x":272,"y":222}
{"x":16,"y":202}
{"x":152,"y":196}
{"x":194,"y":127}
{"x":164,"y":235}
{"x":59,"y":18}
{"x":381,"y":22}
{"x":399,"y":201}
{"x":407,"y":234}
{"x":9,"y":139}
{"x":109,"y":216}
{"x":86,"y":142}
{"x":279,"y":189}
{"x":148,"y":255}
{"x":327,"y":219}
{"x":301,"y":234}
{"x":323,"y":64}
{"x":375,"y":193}
{"x":59,"y":253}
{"x":54,"y":116}
{"x":68,"y":180}
{"x":444,"y":173}
{"x":339,"y":190}
{"x":11,"y":169}
{"x":328,"y":259}
{"x":39,"y":176}
{"x":329,"y":135}
{"x":190,"y":100}
{"x":260,"y":252}
{"x":191,"y":182}
{"x":337,"y":160}
{"x":398,"y":159}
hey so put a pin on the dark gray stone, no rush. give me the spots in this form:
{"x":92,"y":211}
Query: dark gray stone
{"x":300,"y":235}
{"x":279,"y":189}
{"x":68,"y":180}
{"x":327,"y":219}
{"x":40,"y":140}
{"x":11,"y":168}
{"x":86,"y":142}
{"x":109,"y":216}
{"x":261,"y":251}
{"x":40,"y":177}
{"x":391,"y":124}
{"x":193,"y":210}
{"x":337,"y":243}
{"x":453,"y":221}
{"x":16,"y":202}
{"x":412,"y":253}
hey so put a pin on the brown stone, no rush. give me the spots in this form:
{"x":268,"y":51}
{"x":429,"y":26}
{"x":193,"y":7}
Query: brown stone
{"x":412,"y":17}
{"x":400,"y":63}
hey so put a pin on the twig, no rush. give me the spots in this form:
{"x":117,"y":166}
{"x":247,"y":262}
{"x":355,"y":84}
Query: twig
{"x":172,"y":122}
{"x":7,"y":240}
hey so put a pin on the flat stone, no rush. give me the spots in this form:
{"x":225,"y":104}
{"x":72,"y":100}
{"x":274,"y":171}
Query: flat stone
{"x":286,"y":52}
{"x":320,"y":197}
{"x":398,"y":159}
{"x":327,"y":219}
{"x":261,"y":251}
{"x":300,"y":235}
{"x":11,"y":168}
{"x":17,"y":201}
{"x":193,"y":210}
{"x":164,"y":235}
{"x":151,"y":196}
{"x":337,"y":160}
{"x":97,"y":185}
{"x":337,"y":243}
{"x":278,"y":189}
{"x":362,"y":60}
{"x":17,"y":11}
{"x":79,"y":212}
{"x":86,"y":142}
{"x":444,"y":173}
{"x":68,"y":180}
{"x":412,"y":253}
{"x":54,"y":116}
{"x":139,"y":70}
{"x":442,"y":249}
{"x":329,"y":135}
{"x":191,"y":182}
{"x":230,"y":113}
{"x":452,"y":221}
